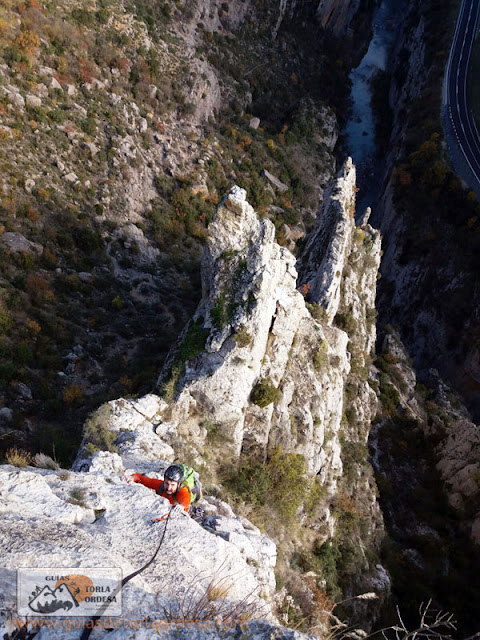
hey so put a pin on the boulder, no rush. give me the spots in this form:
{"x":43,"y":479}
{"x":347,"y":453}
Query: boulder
{"x":41,"y":90}
{"x":54,"y":84}
{"x":29,"y":185}
{"x":16,"y":100}
{"x":33,"y":101}
{"x":16,"y":243}
{"x":6,"y":417}
{"x":279,"y":186}
{"x":21,"y":391}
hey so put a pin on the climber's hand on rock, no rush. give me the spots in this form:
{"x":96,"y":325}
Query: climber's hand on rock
{"x":130,"y":479}
{"x":178,"y":511}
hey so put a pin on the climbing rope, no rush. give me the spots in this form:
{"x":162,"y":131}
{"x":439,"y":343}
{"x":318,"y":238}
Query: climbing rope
{"x":87,"y":632}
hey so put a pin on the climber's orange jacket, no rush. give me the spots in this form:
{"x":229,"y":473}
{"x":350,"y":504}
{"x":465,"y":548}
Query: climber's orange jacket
{"x":181,"y":497}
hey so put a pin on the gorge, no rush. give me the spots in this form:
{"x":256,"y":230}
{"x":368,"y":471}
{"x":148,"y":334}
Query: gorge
{"x":341,"y":471}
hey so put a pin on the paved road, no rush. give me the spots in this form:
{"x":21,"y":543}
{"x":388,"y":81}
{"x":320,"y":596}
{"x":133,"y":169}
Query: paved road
{"x":460,"y":121}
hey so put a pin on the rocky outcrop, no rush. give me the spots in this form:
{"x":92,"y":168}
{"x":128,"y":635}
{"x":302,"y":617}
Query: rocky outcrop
{"x":327,"y":246}
{"x":16,"y":243}
{"x":62,"y":518}
{"x":258,"y":331}
{"x":262,"y":369}
{"x":336,"y":15}
{"x":253,"y":313}
{"x":253,"y":334}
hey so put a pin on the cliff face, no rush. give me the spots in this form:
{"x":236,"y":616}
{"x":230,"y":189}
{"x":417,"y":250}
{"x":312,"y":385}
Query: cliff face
{"x":59,"y":518}
{"x":255,"y":372}
{"x":259,"y":333}
{"x":428,"y":273}
{"x":424,"y":447}
{"x":428,"y":285}
{"x":335,"y":16}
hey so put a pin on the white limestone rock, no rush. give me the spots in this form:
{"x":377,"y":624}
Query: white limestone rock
{"x":40,"y":528}
{"x":137,"y":424}
{"x":54,"y":84}
{"x":21,"y":488}
{"x":16,"y":99}
{"x":41,"y":90}
{"x":258,"y":328}
{"x":70,"y":89}
{"x":106,"y":463}
{"x":29,"y":185}
{"x":327,"y":248}
{"x":33,"y":101}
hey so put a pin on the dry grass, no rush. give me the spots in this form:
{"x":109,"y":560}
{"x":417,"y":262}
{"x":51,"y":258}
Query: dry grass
{"x":43,"y":461}
{"x":212,"y":603}
{"x":18,"y":457}
{"x":218,"y":591}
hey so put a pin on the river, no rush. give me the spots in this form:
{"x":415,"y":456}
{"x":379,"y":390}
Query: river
{"x":359,"y":132}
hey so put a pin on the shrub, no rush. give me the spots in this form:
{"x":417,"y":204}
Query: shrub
{"x":8,"y":371}
{"x":193,"y":342}
{"x":280,"y":482}
{"x":388,"y":395}
{"x":118,"y":303}
{"x":86,"y":239}
{"x":317,"y":312}
{"x":73,"y":396}
{"x":169,"y":386}
{"x":320,"y":358}
{"x":219,"y":313}
{"x":6,"y":320}
{"x":84,"y":17}
{"x":264,"y":393}
{"x":77,"y":496}
{"x":371,"y":316}
{"x":97,"y":433}
{"x":23,"y":354}
{"x":43,"y":461}
{"x":314,"y":497}
{"x":28,"y":42}
{"x":212,"y":603}
{"x":328,"y":554}
{"x":346,"y":321}
{"x":287,"y":472}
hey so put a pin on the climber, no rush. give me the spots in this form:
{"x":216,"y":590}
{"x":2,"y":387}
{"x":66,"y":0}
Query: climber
{"x":179,"y":486}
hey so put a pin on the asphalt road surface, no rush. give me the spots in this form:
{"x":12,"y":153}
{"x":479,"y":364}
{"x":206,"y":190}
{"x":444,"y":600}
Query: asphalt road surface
{"x":460,"y":121}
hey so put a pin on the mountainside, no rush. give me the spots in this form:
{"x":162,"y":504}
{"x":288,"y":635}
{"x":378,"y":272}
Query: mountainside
{"x":122,"y":126}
